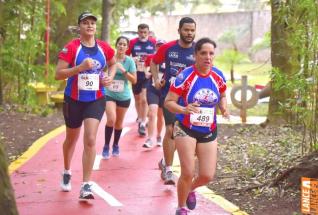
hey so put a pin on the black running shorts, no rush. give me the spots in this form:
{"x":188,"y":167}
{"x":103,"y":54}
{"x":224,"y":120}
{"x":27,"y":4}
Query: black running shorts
{"x":142,"y":82}
{"x":76,"y":111}
{"x":180,"y":131}
{"x":123,"y":104}
{"x":154,"y":96}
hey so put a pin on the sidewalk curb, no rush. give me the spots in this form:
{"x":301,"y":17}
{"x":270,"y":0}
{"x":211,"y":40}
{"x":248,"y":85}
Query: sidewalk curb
{"x":34,"y":148}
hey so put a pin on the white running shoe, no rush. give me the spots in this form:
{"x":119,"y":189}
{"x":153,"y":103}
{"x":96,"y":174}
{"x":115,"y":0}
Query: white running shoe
{"x":148,"y":144}
{"x":66,"y":182}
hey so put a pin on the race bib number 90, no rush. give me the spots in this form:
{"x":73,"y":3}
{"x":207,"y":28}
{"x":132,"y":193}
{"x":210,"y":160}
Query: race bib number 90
{"x":117,"y":86}
{"x":88,"y":82}
{"x":204,"y":118}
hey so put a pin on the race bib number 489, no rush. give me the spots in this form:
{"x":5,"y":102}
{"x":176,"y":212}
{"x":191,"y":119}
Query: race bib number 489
{"x":88,"y":82}
{"x":204,"y":118}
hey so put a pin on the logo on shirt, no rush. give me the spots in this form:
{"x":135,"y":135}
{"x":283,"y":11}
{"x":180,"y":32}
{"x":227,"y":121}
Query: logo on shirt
{"x":64,"y":50}
{"x":137,"y":47}
{"x":180,"y":77}
{"x":97,"y":67}
{"x":149,"y":47}
{"x":190,"y":57}
{"x":173,"y":55}
{"x":205,"y":96}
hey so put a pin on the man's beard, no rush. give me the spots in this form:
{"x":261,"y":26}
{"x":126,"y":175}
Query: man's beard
{"x":183,"y":38}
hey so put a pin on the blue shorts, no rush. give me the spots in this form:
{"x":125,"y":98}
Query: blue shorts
{"x":154,"y":96}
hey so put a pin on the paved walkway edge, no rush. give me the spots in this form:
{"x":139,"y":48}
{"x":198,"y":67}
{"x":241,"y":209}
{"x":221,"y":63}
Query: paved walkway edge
{"x":34,"y":148}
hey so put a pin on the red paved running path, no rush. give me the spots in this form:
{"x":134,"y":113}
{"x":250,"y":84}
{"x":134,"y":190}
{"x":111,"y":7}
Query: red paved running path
{"x":132,"y":178}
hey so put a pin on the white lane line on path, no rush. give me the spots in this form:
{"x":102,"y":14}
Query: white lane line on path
{"x":125,"y":130}
{"x":98,"y":158}
{"x":112,"y":201}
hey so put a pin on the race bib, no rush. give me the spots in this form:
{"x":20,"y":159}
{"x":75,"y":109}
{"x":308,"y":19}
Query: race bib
{"x":204,"y":118}
{"x":117,"y":86}
{"x":88,"y":82}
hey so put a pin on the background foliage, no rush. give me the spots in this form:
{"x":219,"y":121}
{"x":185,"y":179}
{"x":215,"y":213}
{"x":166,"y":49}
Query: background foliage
{"x":295,"y":74}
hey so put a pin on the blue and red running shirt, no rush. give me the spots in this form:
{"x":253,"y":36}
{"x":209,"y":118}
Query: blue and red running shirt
{"x":175,"y":58}
{"x":192,"y":87}
{"x":141,"y":50}
{"x":75,"y":53}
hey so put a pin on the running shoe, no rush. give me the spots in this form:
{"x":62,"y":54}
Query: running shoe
{"x":169,"y":180}
{"x":148,"y":144}
{"x":66,"y":182}
{"x":159,"y":141}
{"x":115,"y":151}
{"x":86,"y":192}
{"x":105,"y":153}
{"x":163,"y":169}
{"x":191,"y":200}
{"x":182,"y":211}
{"x":161,"y":165}
{"x":141,"y":129}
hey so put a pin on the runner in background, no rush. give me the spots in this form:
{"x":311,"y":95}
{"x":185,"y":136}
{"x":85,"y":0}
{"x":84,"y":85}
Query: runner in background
{"x":139,"y":48}
{"x":155,"y":103}
{"x":118,"y":96}
{"x":194,"y":96}
{"x":176,"y":55}
{"x":83,"y":62}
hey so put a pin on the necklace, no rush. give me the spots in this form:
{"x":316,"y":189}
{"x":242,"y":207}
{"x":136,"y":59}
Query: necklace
{"x":90,"y":43}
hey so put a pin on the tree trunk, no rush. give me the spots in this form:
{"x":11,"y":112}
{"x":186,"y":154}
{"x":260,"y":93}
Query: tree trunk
{"x":1,"y":90}
{"x":63,"y":34}
{"x":108,"y":7}
{"x":281,"y":55}
{"x":232,"y":74}
{"x":7,"y":200}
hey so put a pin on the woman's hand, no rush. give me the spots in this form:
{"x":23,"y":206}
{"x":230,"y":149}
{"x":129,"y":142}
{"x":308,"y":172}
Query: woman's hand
{"x":225,"y":113}
{"x":192,"y":108}
{"x":160,"y":84}
{"x":87,"y":64}
{"x":106,"y":80}
{"x":120,"y":67}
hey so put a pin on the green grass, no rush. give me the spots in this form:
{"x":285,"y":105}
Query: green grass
{"x":256,"y":73}
{"x":258,"y":110}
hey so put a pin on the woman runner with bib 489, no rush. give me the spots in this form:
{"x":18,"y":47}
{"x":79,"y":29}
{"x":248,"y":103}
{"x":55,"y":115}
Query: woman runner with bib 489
{"x":194,"y":96}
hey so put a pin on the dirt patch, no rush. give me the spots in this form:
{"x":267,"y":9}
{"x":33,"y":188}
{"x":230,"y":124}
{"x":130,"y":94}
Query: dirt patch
{"x":251,"y":158}
{"x":19,"y":130}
